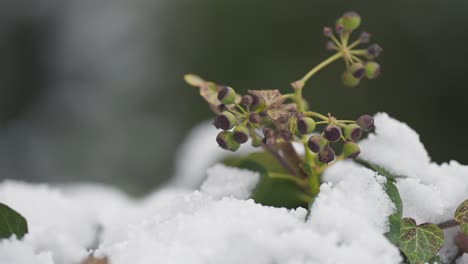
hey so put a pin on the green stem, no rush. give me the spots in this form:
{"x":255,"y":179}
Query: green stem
{"x":354,"y":44}
{"x":315,"y":114}
{"x":358,"y":52}
{"x":319,"y":67}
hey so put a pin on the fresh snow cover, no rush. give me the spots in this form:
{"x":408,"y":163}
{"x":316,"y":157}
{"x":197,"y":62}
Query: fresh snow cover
{"x":229,"y":181}
{"x":430,"y":192}
{"x":218,"y":224}
{"x":199,"y":228}
{"x":463,"y":259}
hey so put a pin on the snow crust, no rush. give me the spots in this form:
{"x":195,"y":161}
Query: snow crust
{"x":218,"y":224}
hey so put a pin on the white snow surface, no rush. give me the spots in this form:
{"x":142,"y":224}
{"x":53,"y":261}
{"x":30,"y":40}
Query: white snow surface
{"x":219,"y":224}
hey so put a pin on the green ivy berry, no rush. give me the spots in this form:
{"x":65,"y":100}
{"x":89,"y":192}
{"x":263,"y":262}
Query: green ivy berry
{"x":326,"y":155}
{"x":357,"y":69}
{"x":305,"y":125}
{"x":352,"y":132}
{"x":332,"y":133}
{"x":225,"y":121}
{"x":246,"y":100}
{"x":256,"y":142}
{"x":227,"y":95}
{"x":316,"y":143}
{"x":241,"y":134}
{"x":226,"y":141}
{"x":351,"y":150}
{"x":372,"y":69}
{"x":365,"y":122}
{"x":349,"y":80}
{"x":350,"y":21}
{"x":258,"y":103}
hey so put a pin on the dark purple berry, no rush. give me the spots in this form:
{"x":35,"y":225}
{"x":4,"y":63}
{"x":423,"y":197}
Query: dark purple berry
{"x":225,"y":121}
{"x":316,"y":143}
{"x":247,"y":100}
{"x":332,"y":133}
{"x":327,"y":154}
{"x":365,"y":122}
{"x":255,"y":118}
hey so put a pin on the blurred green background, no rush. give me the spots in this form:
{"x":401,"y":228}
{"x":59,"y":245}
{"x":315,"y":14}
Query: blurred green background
{"x":93,"y":90}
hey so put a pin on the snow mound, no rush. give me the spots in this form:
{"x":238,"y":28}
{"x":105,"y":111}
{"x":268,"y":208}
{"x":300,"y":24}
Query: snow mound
{"x":430,"y":192}
{"x":218,"y":224}
{"x":229,"y":181}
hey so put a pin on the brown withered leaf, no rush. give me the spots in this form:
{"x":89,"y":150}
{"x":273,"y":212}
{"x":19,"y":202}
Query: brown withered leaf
{"x":282,"y":112}
{"x":93,"y":260}
{"x":272,"y":98}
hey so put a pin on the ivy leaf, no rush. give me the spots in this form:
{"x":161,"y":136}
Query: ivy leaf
{"x":379,"y":170}
{"x":11,"y":223}
{"x":420,"y":243}
{"x":276,"y":187}
{"x":461,"y":216}
{"x":208,"y":90}
{"x":394,"y":219}
{"x":284,"y":111}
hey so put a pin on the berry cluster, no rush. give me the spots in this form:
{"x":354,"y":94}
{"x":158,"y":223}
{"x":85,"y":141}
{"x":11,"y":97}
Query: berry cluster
{"x":356,"y":69}
{"x":273,"y":120}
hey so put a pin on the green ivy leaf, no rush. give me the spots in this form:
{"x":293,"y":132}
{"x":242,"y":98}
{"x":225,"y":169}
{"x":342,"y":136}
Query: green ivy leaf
{"x":276,"y":187}
{"x":420,"y":243}
{"x":461,"y":216}
{"x":435,"y":260}
{"x":394,"y":219}
{"x":11,"y":223}
{"x":379,"y":170}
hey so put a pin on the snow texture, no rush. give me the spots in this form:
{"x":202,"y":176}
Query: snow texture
{"x":229,"y":181}
{"x":218,"y":224}
{"x":429,"y":192}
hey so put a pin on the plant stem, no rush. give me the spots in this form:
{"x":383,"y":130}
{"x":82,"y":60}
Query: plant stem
{"x":315,"y":114}
{"x":319,"y":67}
{"x":448,"y":224}
{"x":281,"y":160}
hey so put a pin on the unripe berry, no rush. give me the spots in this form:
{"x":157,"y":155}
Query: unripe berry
{"x":327,"y":154}
{"x":225,"y":121}
{"x":357,"y":69}
{"x":350,"y":21}
{"x":255,"y":118}
{"x":268,"y":132}
{"x":227,"y":95}
{"x":287,"y":135}
{"x":373,"y":51}
{"x":241,"y":134}
{"x":332,"y":133}
{"x":305,"y":125}
{"x":352,"y":132}
{"x":327,"y":32}
{"x":256,"y":142}
{"x":330,"y":46}
{"x":364,"y":37}
{"x":372,"y":69}
{"x":349,"y":80}
{"x":226,"y":141}
{"x":258,"y":103}
{"x":351,"y":150}
{"x":246,"y":100}
{"x":316,"y":143}
{"x":365,"y":122}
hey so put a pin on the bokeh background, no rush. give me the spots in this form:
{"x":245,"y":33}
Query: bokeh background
{"x":93,"y":90}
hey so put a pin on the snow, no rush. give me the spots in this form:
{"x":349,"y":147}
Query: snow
{"x":430,"y":192}
{"x":229,"y":181}
{"x":219,"y":224}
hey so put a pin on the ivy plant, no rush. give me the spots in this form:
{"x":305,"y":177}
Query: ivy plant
{"x":273,"y":120}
